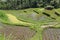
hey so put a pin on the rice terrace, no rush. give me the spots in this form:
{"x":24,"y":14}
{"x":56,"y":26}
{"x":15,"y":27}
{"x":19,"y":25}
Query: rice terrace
{"x":29,"y":19}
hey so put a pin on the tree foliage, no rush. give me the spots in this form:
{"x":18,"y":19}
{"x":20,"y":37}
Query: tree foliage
{"x":21,"y":4}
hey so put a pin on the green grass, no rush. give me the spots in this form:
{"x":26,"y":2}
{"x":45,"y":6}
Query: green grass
{"x":2,"y":37}
{"x":29,"y":16}
{"x":3,"y":16}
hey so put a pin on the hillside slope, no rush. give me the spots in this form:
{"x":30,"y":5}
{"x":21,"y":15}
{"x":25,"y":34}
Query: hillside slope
{"x":37,"y":19}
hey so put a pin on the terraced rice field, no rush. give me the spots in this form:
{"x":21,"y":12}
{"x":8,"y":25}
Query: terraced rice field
{"x":11,"y":32}
{"x":28,"y":24}
{"x":51,"y":34}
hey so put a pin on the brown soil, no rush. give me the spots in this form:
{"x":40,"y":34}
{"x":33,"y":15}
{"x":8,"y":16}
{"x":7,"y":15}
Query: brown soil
{"x":51,"y":34}
{"x":17,"y":32}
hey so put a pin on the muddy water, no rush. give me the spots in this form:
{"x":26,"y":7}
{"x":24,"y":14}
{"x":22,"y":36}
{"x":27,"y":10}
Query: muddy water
{"x":16,"y":32}
{"x":51,"y":34}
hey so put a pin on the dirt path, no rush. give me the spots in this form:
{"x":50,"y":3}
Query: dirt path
{"x":16,"y":32}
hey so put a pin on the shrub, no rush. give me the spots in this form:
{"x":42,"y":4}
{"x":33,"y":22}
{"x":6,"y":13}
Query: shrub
{"x":49,"y":7}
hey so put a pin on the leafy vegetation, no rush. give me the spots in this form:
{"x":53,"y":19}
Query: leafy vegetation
{"x":23,"y":4}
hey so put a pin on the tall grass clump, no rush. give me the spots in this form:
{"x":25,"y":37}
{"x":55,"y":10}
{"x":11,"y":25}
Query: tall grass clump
{"x":3,"y":17}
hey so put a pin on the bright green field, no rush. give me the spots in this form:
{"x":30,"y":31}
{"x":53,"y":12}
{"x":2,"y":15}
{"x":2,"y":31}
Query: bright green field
{"x":29,"y":16}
